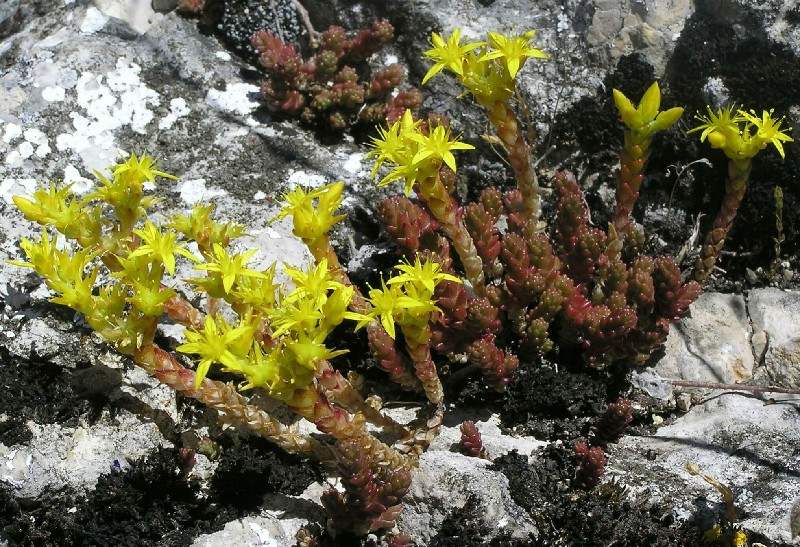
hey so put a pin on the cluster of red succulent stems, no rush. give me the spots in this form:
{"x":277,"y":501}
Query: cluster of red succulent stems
{"x":590,"y":458}
{"x":371,"y":498}
{"x":583,"y":288}
{"x":326,"y":90}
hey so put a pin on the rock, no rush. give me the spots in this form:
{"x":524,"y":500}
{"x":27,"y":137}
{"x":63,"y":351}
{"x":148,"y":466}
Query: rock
{"x":75,"y":456}
{"x":495,"y":443}
{"x":775,"y":315}
{"x":444,"y":484}
{"x":164,"y":6}
{"x":276,"y":528}
{"x":42,"y":338}
{"x":711,"y":344}
{"x":746,"y":442}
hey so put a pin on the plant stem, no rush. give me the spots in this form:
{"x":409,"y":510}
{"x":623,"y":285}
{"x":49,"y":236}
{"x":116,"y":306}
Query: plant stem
{"x":509,"y":131}
{"x":735,"y":387}
{"x":225,"y":399}
{"x":735,"y":186}
{"x":446,"y":211}
{"x":632,"y":160}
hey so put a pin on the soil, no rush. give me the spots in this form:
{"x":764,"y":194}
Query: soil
{"x":153,"y":502}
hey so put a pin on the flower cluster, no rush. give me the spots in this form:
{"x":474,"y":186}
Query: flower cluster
{"x":487,"y":69}
{"x":740,"y":135}
{"x":416,"y":155}
{"x":325,"y":91}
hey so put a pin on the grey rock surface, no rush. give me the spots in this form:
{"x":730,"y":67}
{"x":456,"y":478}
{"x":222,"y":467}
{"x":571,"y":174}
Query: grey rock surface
{"x":712,"y":344}
{"x":775,"y":316}
{"x":444,"y":484}
{"x":59,"y":456}
{"x":748,"y":443}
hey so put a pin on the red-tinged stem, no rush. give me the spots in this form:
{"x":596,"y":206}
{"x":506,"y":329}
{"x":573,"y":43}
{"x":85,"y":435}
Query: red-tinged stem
{"x":313,"y":405}
{"x":342,"y":392}
{"x":509,"y":130}
{"x":225,"y":399}
{"x":417,"y":344}
{"x":632,"y":160}
{"x":446,"y":211}
{"x":184,"y":313}
{"x":735,"y":187}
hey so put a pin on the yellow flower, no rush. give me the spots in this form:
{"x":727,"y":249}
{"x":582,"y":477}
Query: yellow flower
{"x":335,"y":310}
{"x":416,"y":156}
{"x":41,"y":255}
{"x":63,"y":271}
{"x":424,"y":276}
{"x":160,"y":246}
{"x":485,"y":82}
{"x":385,"y":303}
{"x":769,"y":129}
{"x":724,"y":130}
{"x":392,"y":143}
{"x":150,"y":299}
{"x":312,"y":222}
{"x":646,"y":117}
{"x":124,"y":190}
{"x":316,"y":281}
{"x":213,"y":344}
{"x":301,"y":315}
{"x":396,"y":146}
{"x":228,"y":267}
{"x":259,"y":369}
{"x":53,"y":206}
{"x":258,"y":292}
{"x":137,"y":170}
{"x":437,"y":146}
{"x":276,"y":371}
{"x":200,"y":227}
{"x":514,"y":50}
{"x":307,"y":353}
{"x":390,"y":305}
{"x":316,"y":306}
{"x":448,"y":54}
{"x":724,"y":123}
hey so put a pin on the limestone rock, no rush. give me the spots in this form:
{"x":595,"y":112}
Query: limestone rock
{"x":746,"y":442}
{"x":712,"y":344}
{"x":776,"y":336}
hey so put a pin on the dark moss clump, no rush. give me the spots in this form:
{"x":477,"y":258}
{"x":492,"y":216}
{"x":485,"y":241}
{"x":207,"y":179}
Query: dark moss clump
{"x":152,"y":502}
{"x":38,"y":391}
{"x":565,"y":516}
{"x":248,"y":471}
{"x":545,"y":393}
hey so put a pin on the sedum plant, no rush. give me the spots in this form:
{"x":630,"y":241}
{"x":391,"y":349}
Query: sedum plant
{"x":326,"y":90}
{"x":524,"y":289}
{"x":271,"y":336}
{"x":740,"y":135}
